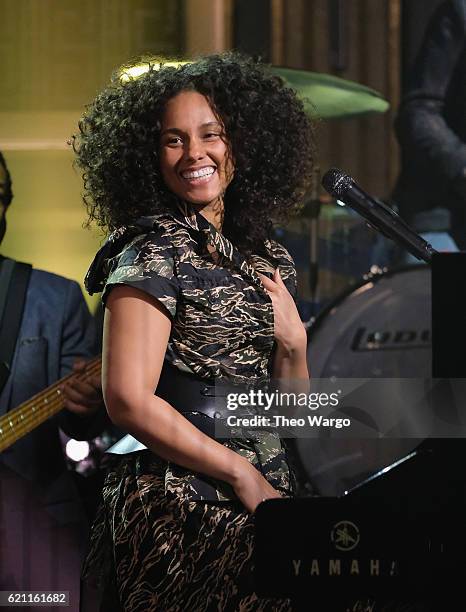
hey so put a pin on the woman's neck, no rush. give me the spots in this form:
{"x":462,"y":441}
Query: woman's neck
{"x":214,"y":212}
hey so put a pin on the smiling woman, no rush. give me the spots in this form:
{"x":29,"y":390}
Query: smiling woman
{"x":190,"y":166}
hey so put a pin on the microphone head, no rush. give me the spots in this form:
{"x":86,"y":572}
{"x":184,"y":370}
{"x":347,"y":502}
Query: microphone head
{"x":336,"y":182}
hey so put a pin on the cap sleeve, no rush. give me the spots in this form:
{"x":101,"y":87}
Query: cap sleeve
{"x":286,"y":265}
{"x":146,"y":263}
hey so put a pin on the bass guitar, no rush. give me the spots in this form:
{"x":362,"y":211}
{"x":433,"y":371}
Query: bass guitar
{"x":18,"y":422}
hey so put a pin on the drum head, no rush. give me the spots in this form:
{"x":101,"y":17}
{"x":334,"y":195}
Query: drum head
{"x":382,"y":328}
{"x":379,"y":329}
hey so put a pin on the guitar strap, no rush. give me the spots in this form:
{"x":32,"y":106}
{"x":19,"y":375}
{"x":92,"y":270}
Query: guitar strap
{"x":14,"y":280}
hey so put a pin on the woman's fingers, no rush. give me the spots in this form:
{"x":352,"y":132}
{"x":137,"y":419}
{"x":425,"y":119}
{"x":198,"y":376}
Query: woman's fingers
{"x":268,"y":283}
{"x":274,"y":283}
{"x":278,"y":279}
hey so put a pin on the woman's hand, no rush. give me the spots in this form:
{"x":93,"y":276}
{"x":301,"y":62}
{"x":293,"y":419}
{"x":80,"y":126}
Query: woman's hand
{"x":289,"y":329}
{"x":252,"y":488}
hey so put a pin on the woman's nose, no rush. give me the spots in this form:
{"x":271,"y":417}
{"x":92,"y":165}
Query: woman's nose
{"x":194,"y":149}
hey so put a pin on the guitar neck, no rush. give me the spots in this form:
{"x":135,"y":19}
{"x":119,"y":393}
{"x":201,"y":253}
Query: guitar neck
{"x":24,"y":418}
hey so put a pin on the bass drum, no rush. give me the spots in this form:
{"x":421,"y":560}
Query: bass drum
{"x":380,"y":328}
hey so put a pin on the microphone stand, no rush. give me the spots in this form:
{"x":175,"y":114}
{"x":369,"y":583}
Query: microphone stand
{"x":311,"y":211}
{"x":377,"y":214}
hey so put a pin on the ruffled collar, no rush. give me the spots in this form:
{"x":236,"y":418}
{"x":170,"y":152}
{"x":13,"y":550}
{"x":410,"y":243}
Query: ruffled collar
{"x":188,"y":215}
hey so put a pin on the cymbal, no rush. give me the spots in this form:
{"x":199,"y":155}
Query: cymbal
{"x":330,"y":97}
{"x":324,"y":95}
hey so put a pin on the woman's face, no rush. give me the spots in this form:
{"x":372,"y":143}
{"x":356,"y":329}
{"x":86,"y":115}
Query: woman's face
{"x":194,"y":156}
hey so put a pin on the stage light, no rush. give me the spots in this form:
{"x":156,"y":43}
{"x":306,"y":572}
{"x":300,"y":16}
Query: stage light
{"x":77,"y":450}
{"x":128,"y":73}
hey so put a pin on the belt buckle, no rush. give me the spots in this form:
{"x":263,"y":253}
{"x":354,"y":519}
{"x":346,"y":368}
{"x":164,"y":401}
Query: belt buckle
{"x":208,"y":391}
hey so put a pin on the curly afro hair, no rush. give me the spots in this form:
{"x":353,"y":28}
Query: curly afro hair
{"x":270,"y":136}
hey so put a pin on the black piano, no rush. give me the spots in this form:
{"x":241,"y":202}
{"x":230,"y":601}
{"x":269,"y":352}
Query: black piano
{"x":398,"y":535}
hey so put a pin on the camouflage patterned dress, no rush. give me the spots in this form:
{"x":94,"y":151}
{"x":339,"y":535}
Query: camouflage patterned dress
{"x":167,"y":539}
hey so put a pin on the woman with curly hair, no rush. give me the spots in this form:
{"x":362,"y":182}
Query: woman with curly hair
{"x":189,"y":167}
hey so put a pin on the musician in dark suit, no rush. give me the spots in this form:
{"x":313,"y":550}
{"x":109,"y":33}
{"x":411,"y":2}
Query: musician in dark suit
{"x":431,"y":129}
{"x":41,"y":520}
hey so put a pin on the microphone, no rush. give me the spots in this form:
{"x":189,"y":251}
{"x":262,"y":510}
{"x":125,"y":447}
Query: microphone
{"x":379,"y":216}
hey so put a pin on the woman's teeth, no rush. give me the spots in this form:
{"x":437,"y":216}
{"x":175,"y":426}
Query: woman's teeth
{"x":202,"y":172}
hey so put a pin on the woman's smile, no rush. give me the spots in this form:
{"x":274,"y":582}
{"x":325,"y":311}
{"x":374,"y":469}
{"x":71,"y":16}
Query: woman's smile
{"x":196,"y":176}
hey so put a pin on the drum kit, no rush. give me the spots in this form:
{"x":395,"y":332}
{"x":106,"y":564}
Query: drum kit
{"x":365,"y":317}
{"x":330,"y":243}
{"x":337,"y":256}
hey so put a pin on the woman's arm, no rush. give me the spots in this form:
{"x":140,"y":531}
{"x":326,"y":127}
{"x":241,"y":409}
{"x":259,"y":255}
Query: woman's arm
{"x":136,"y":333}
{"x":291,"y":364}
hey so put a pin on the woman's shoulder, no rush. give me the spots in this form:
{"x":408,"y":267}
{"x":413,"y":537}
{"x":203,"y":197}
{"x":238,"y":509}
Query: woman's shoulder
{"x":147,"y":244}
{"x":133,"y":250}
{"x":278,"y":252}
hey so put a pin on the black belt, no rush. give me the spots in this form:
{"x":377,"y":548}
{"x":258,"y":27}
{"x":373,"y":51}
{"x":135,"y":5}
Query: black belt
{"x":187,"y":392}
{"x":194,"y":397}
{"x":191,"y":395}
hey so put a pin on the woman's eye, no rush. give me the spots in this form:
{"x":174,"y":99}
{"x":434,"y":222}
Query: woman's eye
{"x":173,"y":140}
{"x":211,"y":135}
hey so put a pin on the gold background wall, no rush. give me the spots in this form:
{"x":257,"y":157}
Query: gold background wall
{"x":302,"y":29}
{"x":55,"y":56}
{"x":365,"y":147}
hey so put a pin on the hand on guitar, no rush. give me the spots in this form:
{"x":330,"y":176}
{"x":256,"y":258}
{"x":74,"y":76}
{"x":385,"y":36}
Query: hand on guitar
{"x":83,"y":393}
